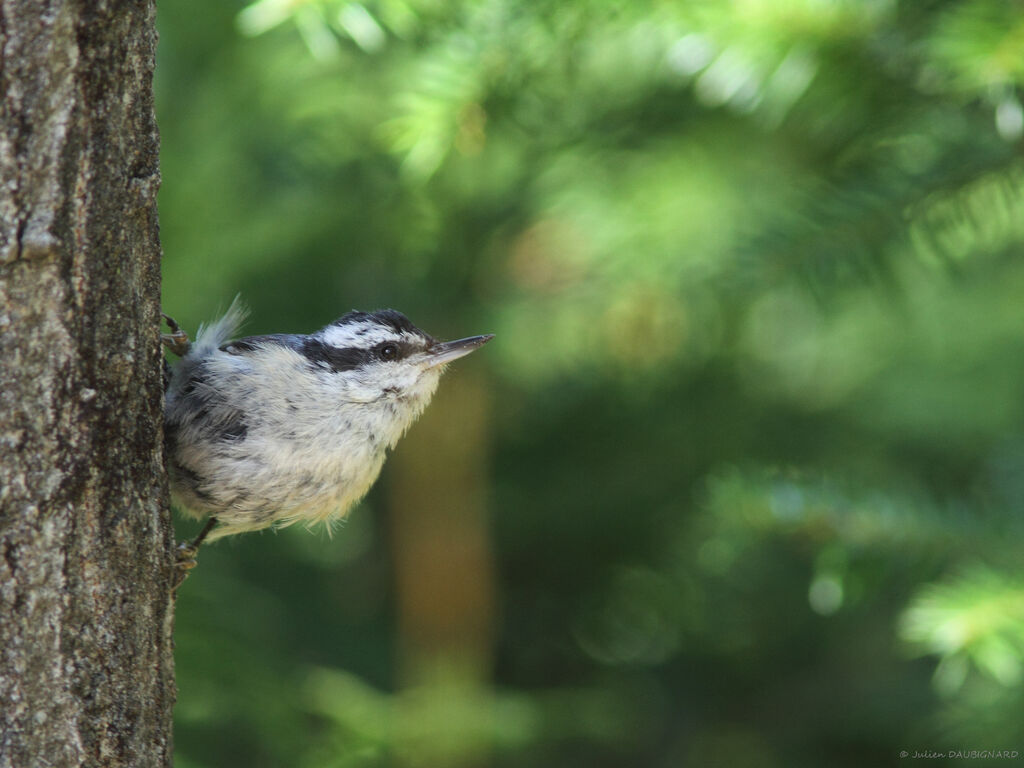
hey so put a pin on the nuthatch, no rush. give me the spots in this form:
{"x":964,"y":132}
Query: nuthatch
{"x":291,"y":428}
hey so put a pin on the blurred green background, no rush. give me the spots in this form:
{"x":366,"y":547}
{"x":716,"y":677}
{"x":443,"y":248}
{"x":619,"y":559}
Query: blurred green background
{"x":739,"y":482}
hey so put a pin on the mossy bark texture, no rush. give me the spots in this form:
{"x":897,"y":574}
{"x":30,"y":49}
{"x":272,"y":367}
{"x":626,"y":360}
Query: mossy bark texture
{"x":86,"y":550}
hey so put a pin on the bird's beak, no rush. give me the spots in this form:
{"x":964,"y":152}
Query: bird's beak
{"x":446,"y":351}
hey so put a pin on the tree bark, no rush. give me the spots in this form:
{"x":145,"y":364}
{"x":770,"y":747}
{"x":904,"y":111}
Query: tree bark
{"x":86,"y":546}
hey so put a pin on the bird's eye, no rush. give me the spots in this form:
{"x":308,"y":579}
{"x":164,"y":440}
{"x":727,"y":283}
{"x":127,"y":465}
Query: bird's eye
{"x":389,"y":351}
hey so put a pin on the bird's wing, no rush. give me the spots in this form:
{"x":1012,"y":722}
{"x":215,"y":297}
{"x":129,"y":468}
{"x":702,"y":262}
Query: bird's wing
{"x":253,"y":343}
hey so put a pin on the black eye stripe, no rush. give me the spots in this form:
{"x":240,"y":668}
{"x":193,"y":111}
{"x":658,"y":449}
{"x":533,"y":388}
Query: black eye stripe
{"x":348,"y":358}
{"x":325,"y":356}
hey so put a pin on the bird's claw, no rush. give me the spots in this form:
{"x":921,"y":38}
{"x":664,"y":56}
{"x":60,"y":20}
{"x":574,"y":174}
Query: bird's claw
{"x":177,"y":340}
{"x":185,"y":555}
{"x":184,"y":561}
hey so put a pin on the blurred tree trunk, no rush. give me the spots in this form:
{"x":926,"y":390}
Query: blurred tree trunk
{"x":86,"y":672}
{"x":444,"y":564}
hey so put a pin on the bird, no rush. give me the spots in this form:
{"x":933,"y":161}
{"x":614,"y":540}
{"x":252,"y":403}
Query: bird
{"x":291,"y":428}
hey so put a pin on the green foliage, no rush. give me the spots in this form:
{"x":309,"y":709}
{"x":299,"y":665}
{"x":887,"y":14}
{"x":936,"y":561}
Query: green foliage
{"x":978,"y":618}
{"x":750,"y":440}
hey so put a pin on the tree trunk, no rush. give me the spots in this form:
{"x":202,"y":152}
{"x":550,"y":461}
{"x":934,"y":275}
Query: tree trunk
{"x":86,"y":547}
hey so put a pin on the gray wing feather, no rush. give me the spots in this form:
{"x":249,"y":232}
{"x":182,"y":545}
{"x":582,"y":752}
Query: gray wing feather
{"x":253,"y":343}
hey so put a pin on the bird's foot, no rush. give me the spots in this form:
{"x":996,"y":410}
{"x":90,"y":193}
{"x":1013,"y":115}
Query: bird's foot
{"x":185,"y":561}
{"x":185,"y":554}
{"x":177,"y":340}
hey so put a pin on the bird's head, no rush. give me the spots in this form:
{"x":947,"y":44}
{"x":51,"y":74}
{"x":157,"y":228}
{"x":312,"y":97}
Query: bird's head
{"x":383,"y":357}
